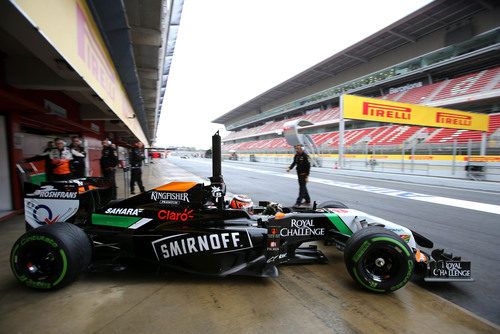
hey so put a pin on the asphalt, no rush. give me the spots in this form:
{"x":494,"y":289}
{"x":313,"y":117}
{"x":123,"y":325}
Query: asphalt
{"x":473,"y":235}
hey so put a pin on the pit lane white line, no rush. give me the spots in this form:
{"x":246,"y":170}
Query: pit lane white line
{"x":477,"y":206}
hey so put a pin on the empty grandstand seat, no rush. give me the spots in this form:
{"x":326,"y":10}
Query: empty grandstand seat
{"x":420,"y":94}
{"x":468,"y":84}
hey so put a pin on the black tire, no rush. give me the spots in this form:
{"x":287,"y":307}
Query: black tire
{"x":378,"y":259}
{"x":50,"y":256}
{"x":332,"y":205}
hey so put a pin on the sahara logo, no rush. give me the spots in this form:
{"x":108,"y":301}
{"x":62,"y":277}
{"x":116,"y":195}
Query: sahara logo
{"x":189,"y":243}
{"x":124,"y":212}
{"x":386,"y":111}
{"x":48,"y":216}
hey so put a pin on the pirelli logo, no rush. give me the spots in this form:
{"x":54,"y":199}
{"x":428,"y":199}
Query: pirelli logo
{"x":386,"y":111}
{"x":360,"y":107}
{"x":453,"y":119}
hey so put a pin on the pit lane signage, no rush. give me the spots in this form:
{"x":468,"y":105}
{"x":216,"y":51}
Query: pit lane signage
{"x":70,"y":27}
{"x":358,"y":107}
{"x":191,"y":243}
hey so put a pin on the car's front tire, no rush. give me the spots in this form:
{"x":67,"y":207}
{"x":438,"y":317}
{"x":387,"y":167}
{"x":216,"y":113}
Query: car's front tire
{"x":50,"y":256}
{"x":378,"y":259}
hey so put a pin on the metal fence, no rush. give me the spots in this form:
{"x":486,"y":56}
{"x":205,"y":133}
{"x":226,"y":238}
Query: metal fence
{"x":417,"y":158}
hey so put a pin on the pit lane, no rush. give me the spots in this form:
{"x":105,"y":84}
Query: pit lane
{"x":312,"y":298}
{"x":469,"y":233}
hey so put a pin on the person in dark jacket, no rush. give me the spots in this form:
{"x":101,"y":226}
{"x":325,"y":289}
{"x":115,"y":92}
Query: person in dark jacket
{"x":77,"y":164}
{"x":109,"y":160}
{"x":136,"y":159}
{"x":301,"y":160}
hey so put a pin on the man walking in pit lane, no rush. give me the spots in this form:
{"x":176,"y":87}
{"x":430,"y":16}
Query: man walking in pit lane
{"x":136,"y":158}
{"x":301,"y":159}
{"x":109,"y":160}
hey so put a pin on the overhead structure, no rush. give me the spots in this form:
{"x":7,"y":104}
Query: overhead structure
{"x":294,"y":138}
{"x":88,"y":68}
{"x":409,"y":30}
{"x":141,"y":36}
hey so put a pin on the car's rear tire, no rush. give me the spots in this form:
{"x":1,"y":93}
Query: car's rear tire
{"x":50,"y":256}
{"x":332,"y":205}
{"x":378,"y":259}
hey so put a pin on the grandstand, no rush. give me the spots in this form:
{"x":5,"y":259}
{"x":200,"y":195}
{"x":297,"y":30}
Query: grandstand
{"x":444,"y":55}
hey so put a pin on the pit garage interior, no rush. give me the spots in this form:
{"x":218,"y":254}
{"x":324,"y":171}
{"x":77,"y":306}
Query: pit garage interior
{"x":42,"y":95}
{"x":115,"y":93}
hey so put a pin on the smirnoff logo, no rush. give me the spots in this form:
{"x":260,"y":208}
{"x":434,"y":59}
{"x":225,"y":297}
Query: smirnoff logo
{"x":453,"y":119}
{"x":386,"y":111}
{"x":190,"y":243}
{"x":164,"y":196}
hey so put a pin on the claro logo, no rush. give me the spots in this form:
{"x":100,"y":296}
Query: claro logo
{"x":386,"y":111}
{"x":175,"y":216}
{"x":453,"y":119}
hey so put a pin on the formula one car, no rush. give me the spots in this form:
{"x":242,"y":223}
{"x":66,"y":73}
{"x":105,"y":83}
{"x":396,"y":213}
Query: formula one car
{"x":191,"y":227}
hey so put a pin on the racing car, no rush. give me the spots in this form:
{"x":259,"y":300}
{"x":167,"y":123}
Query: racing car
{"x":191,"y":227}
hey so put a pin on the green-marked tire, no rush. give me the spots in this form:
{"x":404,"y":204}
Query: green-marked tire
{"x":50,"y":256}
{"x":378,"y":259}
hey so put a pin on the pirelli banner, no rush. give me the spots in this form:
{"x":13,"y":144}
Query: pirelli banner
{"x":357,"y":107}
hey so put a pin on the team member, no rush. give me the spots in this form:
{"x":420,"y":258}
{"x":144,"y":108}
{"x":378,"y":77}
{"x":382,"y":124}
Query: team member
{"x":77,"y":165}
{"x":136,"y":158}
{"x":109,"y":160}
{"x":301,"y":159}
{"x":58,"y":160}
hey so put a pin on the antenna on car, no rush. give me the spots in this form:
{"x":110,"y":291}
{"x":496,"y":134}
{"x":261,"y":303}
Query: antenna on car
{"x":218,"y":188}
{"x":216,"y":158}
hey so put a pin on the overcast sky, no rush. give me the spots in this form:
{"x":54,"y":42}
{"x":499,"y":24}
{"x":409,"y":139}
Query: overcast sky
{"x":229,"y":51}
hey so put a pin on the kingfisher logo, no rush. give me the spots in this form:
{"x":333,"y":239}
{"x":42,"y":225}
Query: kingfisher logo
{"x":386,"y":111}
{"x":453,"y":119}
{"x":169,"y":197}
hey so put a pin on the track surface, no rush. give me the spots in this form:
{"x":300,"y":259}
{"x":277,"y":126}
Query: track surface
{"x":472,"y":234}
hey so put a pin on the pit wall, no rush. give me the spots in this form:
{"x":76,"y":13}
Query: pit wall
{"x":426,"y":165}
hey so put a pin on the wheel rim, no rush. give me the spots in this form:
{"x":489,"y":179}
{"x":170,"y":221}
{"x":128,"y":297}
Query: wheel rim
{"x":381,"y":264}
{"x":40,"y":262}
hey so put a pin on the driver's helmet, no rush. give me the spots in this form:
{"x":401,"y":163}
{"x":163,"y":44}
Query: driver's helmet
{"x":241,"y":202}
